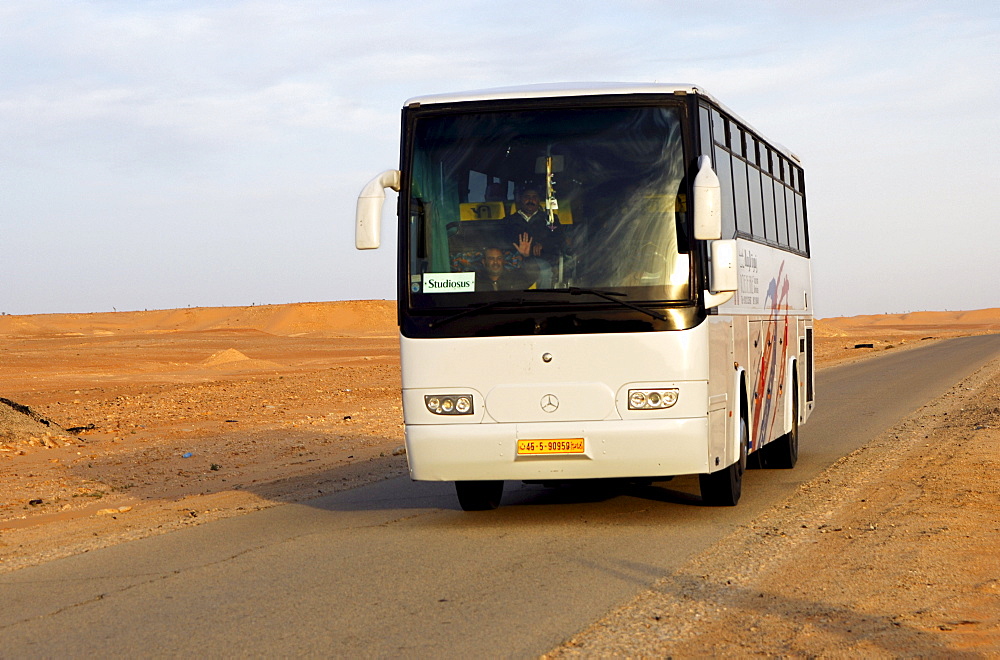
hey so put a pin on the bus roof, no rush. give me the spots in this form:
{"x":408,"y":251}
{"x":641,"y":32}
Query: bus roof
{"x":556,"y":90}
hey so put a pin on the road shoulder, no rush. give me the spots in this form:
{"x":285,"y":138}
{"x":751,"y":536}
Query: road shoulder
{"x":868,"y":559}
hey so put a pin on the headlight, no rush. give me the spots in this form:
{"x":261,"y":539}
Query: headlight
{"x":449,"y":404}
{"x":652,"y":399}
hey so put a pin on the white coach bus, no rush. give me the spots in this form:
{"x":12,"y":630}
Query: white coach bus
{"x":596,"y":281}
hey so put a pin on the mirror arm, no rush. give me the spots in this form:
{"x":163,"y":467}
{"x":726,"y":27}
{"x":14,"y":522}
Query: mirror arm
{"x":716,"y":299}
{"x":724,"y":271}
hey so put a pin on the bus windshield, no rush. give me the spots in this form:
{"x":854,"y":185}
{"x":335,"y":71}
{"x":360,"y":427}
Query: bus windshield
{"x":515,"y":204}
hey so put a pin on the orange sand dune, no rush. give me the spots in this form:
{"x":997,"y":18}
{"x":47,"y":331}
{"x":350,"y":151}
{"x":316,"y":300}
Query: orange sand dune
{"x":978,"y":316}
{"x":977,"y":321}
{"x":350,"y":318}
{"x":377,"y":318}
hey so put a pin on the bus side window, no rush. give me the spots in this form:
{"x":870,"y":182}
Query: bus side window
{"x":718,"y":128}
{"x":756,"y":201}
{"x":793,"y":232}
{"x":767,"y":188}
{"x":800,"y":223}
{"x":740,"y":190}
{"x":723,"y":167}
{"x":780,"y":217}
{"x":705,"y":126}
{"x":742,"y":193}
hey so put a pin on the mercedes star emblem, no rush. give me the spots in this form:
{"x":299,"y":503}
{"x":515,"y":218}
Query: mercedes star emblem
{"x":550,"y":403}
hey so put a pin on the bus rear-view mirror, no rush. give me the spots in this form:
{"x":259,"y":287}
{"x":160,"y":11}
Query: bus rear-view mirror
{"x":368,"y":216}
{"x":707,"y":202}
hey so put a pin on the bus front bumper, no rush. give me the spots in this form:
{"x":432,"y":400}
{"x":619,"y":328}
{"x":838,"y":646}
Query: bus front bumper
{"x":611,"y":449}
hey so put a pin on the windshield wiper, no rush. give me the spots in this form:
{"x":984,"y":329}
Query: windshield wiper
{"x":607,"y":295}
{"x":475,"y":309}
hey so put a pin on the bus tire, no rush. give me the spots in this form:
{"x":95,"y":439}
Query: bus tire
{"x":479,"y":495}
{"x":723,"y":488}
{"x":783,"y":452}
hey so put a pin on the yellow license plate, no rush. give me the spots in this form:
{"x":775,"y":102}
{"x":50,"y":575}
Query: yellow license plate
{"x":557,"y":446}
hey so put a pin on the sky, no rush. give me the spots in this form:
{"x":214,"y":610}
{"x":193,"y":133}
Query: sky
{"x":170,"y":154}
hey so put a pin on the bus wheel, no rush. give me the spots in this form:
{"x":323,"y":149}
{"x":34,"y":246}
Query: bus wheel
{"x":723,"y":488}
{"x":479,"y":495}
{"x":783,"y":452}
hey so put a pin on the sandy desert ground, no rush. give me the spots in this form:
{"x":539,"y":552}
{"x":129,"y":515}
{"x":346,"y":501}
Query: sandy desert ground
{"x":123,"y":425}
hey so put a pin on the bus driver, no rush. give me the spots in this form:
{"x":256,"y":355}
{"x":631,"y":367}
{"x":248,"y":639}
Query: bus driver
{"x":531,"y":219}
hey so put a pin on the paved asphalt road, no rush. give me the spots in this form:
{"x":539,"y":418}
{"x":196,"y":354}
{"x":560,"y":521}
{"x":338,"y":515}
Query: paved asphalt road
{"x":396,"y":569}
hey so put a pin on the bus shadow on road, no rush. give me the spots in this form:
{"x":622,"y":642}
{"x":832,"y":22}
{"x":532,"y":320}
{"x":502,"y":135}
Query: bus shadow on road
{"x":403,"y":494}
{"x":674,"y":491}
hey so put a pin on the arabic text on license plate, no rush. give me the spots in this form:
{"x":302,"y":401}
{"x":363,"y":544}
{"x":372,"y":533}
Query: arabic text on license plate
{"x":560,"y":446}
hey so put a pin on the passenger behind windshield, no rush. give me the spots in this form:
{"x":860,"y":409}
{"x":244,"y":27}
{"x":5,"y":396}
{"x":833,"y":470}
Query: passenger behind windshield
{"x":496,"y":276}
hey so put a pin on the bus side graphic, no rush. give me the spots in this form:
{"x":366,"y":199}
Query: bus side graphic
{"x":773,"y":359}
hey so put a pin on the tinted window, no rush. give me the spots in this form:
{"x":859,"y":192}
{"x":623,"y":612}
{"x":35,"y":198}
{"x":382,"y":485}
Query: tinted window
{"x":742,"y":196}
{"x":793,"y":232}
{"x":770,"y":228}
{"x":780,"y":218}
{"x":718,"y":127}
{"x":756,"y":203}
{"x":723,"y":168}
{"x":706,"y":130}
{"x":617,"y":216}
{"x":800,"y":223}
{"x":761,"y":187}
